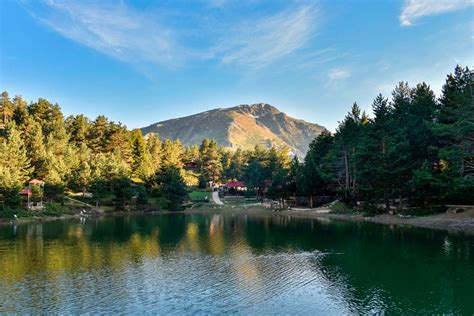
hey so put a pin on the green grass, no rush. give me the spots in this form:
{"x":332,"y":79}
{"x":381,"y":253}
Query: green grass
{"x":200,"y":195}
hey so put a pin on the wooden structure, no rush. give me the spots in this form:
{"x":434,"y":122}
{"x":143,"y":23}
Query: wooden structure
{"x":29,"y":194}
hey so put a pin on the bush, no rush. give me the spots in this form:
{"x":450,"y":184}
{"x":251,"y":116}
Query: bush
{"x":142,"y":195}
{"x":370,"y":210}
{"x":202,"y":184}
{"x":123,"y":192}
{"x":10,"y":197}
{"x":170,"y":186}
{"x":52,"y":210}
{"x":7,"y":212}
{"x":250,"y":193}
{"x":53,"y":191}
{"x":341,"y":208}
{"x":166,"y":204}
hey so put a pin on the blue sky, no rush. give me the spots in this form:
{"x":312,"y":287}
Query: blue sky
{"x":139,"y":62}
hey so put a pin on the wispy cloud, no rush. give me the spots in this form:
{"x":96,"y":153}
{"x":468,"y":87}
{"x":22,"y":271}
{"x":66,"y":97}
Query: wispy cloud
{"x":140,"y":36}
{"x":261,"y":42}
{"x":415,"y":9}
{"x":112,"y":28}
{"x":339,"y":74}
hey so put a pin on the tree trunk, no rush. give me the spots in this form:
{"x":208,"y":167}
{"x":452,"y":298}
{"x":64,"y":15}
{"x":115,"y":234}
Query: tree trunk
{"x":348,"y":178}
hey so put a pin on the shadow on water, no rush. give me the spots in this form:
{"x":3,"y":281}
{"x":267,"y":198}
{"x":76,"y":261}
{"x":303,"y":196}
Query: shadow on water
{"x":214,"y":263}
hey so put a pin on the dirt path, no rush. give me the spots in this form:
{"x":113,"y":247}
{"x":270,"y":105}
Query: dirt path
{"x":216,"y":199}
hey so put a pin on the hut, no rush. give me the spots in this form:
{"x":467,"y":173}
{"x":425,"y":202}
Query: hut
{"x":34,"y":191}
{"x":234,"y":187}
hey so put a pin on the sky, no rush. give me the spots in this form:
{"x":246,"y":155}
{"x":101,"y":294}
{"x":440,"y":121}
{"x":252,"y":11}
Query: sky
{"x":140,"y":62}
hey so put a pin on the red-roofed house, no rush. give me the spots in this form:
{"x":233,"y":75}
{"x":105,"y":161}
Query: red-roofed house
{"x":235,"y":185}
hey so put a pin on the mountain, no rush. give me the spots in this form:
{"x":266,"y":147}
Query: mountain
{"x":241,"y":126}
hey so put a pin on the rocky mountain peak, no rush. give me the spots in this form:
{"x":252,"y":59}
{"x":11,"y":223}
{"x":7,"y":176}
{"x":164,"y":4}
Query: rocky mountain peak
{"x":242,"y":126}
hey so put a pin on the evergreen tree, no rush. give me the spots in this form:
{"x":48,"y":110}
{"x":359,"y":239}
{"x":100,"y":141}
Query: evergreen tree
{"x":314,"y":181}
{"x":210,"y":161}
{"x":20,"y":111}
{"x":154,"y":150}
{"x":170,"y":186}
{"x":140,"y":157}
{"x":81,"y":173}
{"x":99,"y":134}
{"x":48,"y":115}
{"x":6,"y":108}
{"x":35,"y":149}
{"x":15,"y":168}
{"x":77,"y":127}
{"x":172,"y":152}
{"x":235,"y":169}
{"x":455,"y":132}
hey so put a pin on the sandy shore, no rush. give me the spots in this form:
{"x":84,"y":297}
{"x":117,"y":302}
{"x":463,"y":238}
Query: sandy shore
{"x":455,"y":223}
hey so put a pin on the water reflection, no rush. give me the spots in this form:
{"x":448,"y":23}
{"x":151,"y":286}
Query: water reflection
{"x":217,"y":263}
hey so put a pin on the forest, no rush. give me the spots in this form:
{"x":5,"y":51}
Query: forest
{"x":416,"y":151}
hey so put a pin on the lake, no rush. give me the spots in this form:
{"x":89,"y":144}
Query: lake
{"x":233,"y":263}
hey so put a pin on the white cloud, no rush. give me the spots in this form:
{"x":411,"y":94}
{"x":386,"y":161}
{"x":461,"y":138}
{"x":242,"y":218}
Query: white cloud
{"x":155,"y":36}
{"x":339,"y":74}
{"x":114,"y":29}
{"x":414,"y":9}
{"x":261,"y":42}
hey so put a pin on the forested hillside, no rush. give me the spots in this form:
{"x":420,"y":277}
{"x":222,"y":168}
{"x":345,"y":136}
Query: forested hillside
{"x":416,"y":151}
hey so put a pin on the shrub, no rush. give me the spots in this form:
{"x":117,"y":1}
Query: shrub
{"x":7,"y":212}
{"x":142,"y":195}
{"x":370,"y":210}
{"x":10,"y":197}
{"x":341,"y":208}
{"x":53,"y":191}
{"x":52,"y":210}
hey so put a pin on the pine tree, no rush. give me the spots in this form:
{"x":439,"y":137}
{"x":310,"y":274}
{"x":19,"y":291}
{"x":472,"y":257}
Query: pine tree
{"x":20,"y":111}
{"x":98,"y":135}
{"x":170,"y":186}
{"x":6,"y":108}
{"x":36,"y":151}
{"x":314,"y":181}
{"x":210,"y":161}
{"x":78,"y":127}
{"x":153,"y":143}
{"x":455,"y":131}
{"x":236,"y":165}
{"x":140,"y":156}
{"x":48,"y":115}
{"x":15,"y":168}
{"x":172,"y":152}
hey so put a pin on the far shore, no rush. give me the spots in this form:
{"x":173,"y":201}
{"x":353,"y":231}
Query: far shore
{"x":453,"y":223}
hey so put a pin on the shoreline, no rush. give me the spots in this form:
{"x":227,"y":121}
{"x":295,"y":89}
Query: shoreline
{"x":452,"y":223}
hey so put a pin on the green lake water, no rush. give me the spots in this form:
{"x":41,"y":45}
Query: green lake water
{"x":224,"y":263}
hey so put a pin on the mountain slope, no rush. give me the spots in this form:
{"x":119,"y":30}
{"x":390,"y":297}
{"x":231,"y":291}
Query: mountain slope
{"x":242,"y":126}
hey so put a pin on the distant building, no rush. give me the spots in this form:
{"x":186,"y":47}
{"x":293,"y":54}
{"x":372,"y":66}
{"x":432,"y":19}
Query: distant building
{"x":191,"y":166}
{"x":239,"y":185}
